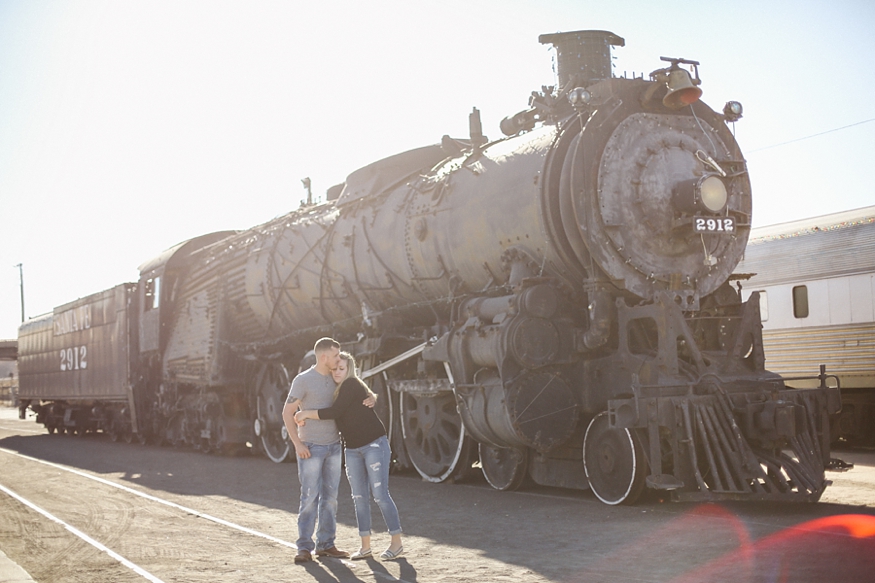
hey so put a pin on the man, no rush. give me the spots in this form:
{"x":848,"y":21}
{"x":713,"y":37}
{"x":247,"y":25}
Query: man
{"x":317,"y":445}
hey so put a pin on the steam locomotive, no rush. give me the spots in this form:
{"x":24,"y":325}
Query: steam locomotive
{"x":556,"y":304}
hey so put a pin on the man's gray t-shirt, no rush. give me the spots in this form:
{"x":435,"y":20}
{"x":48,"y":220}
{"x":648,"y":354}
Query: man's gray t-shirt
{"x":315,"y":391}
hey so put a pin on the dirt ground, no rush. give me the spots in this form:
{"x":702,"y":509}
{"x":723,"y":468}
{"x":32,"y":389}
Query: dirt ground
{"x":453,"y":532}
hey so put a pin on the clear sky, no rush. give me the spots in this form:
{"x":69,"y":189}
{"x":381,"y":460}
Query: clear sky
{"x":127,"y":127}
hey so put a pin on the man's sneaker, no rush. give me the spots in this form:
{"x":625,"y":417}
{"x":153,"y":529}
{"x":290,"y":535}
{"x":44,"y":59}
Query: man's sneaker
{"x":333,"y":552}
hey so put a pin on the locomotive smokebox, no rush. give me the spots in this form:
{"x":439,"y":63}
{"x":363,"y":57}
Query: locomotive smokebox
{"x":583,"y":56}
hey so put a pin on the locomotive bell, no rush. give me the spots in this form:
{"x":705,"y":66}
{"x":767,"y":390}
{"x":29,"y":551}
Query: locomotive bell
{"x":681,"y":89}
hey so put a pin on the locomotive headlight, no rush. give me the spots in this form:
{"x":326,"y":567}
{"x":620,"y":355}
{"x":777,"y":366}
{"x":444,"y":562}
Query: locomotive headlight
{"x":705,"y":194}
{"x":732,"y":111}
{"x":712,"y":193}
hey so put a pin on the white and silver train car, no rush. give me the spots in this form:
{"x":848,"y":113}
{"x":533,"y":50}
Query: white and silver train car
{"x":816,"y":279}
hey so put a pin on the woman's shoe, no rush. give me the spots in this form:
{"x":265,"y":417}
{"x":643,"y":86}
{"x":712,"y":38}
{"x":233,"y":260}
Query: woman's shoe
{"x":362,"y":554}
{"x":388,"y":555}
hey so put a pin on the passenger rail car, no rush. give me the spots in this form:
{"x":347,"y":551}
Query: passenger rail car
{"x":554,"y":304}
{"x":816,"y":283}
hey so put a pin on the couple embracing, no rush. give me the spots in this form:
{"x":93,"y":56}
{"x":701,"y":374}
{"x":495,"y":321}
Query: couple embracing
{"x":326,"y":402}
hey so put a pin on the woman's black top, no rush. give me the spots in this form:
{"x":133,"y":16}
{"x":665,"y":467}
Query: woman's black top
{"x":358,"y":424}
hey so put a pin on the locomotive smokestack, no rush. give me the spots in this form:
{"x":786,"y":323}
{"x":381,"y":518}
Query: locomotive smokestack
{"x":583,"y":56}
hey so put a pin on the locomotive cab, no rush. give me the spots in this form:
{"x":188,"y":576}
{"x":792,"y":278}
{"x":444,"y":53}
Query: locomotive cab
{"x":156,"y":290}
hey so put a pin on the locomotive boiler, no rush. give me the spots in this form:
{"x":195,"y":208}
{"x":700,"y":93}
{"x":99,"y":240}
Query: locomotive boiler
{"x":556,"y":304}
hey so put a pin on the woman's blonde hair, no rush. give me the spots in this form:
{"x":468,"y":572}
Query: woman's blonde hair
{"x":351,"y":372}
{"x":350,"y":369}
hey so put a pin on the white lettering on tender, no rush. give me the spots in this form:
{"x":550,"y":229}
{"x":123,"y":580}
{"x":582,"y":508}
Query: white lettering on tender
{"x":73,"y":320}
{"x":75,"y":358}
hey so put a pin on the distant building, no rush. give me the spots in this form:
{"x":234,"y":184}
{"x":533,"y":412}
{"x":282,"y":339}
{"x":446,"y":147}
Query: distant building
{"x":8,"y":372}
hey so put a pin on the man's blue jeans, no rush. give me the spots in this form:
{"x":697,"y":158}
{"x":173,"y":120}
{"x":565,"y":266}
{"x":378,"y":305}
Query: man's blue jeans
{"x":368,"y":471}
{"x":320,"y":477}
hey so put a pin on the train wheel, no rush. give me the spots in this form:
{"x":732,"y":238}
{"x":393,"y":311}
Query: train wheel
{"x":505,"y":468}
{"x":180,"y":426}
{"x":613,"y":460}
{"x":435,"y":437}
{"x":113,"y":428}
{"x":219,"y":434}
{"x":272,"y":384}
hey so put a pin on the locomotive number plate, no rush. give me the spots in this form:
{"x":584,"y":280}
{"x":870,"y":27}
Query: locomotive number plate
{"x":714,"y":225}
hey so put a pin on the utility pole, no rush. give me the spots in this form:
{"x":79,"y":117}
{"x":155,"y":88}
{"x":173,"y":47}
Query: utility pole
{"x":21,"y":277}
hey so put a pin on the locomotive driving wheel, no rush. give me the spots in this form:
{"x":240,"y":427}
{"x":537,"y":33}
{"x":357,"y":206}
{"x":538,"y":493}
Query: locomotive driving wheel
{"x":435,"y":436}
{"x":613,"y":459}
{"x":218,"y":434}
{"x":505,"y":468}
{"x":272,"y":385}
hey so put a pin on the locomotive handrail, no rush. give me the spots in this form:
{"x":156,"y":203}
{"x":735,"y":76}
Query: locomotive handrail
{"x":393,"y":361}
{"x":822,"y":377}
{"x":814,"y":377}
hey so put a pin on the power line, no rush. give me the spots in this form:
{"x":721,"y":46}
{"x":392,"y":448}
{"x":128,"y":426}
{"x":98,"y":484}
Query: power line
{"x":811,"y":136}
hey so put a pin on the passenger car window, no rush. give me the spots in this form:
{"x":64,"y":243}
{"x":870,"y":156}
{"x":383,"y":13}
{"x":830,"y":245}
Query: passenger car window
{"x":800,"y":301}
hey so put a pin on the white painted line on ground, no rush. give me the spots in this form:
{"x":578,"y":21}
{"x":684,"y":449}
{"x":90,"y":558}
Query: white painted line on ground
{"x":156,"y":499}
{"x":133,"y":567}
{"x":197,"y":513}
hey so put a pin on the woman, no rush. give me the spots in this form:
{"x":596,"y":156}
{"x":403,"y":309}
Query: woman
{"x":368,"y":455}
